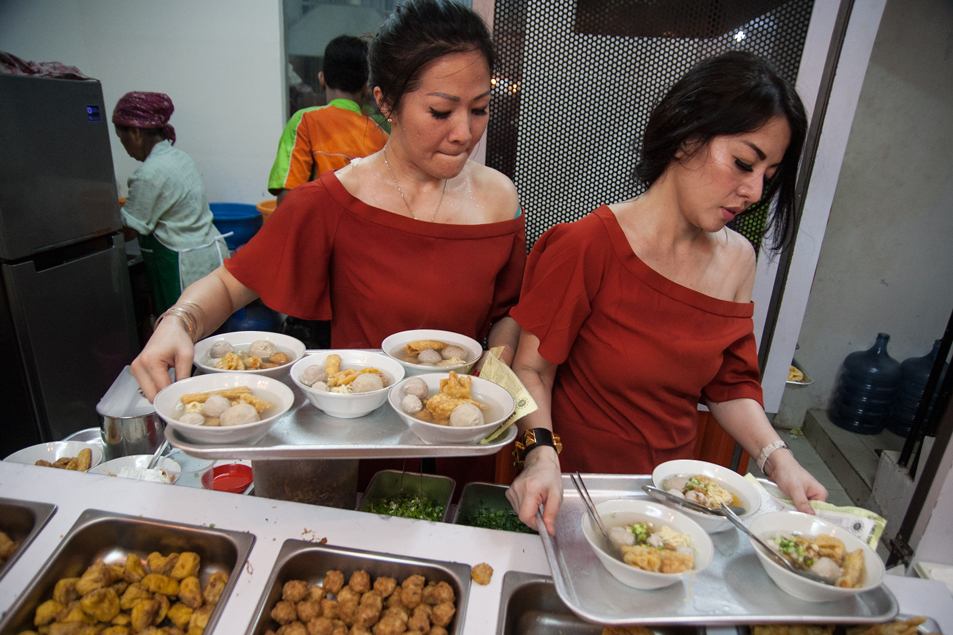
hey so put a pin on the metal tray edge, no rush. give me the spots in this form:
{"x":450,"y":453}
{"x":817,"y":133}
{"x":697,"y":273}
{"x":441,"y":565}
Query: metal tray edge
{"x":43,"y":513}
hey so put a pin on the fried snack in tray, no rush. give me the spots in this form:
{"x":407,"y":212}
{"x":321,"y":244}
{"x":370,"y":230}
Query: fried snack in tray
{"x":414,"y":348}
{"x":454,"y":391}
{"x":795,"y":374}
{"x":79,"y":463}
{"x":7,"y":547}
{"x":133,"y":597}
{"x":627,"y":630}
{"x":357,"y":607}
{"x":900,"y":626}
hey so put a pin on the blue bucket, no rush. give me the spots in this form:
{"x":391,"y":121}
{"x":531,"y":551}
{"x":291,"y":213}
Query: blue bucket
{"x":241,"y":219}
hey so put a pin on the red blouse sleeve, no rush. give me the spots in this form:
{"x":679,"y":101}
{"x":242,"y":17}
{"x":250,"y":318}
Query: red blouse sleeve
{"x":506,"y":293}
{"x":738,"y":377}
{"x":563,"y":275}
{"x":287,"y":262}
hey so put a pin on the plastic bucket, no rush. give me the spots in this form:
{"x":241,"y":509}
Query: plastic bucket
{"x":241,"y":219}
{"x":266,"y":208}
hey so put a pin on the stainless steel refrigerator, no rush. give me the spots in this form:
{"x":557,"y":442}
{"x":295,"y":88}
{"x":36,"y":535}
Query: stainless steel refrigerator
{"x":67,"y":326}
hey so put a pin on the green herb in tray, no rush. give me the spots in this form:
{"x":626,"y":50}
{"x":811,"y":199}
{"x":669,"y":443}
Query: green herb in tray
{"x":407,"y":506}
{"x":505,"y":519}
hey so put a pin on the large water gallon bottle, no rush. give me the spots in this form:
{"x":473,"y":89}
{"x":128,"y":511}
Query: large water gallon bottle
{"x":868,"y":385}
{"x":914,"y":374}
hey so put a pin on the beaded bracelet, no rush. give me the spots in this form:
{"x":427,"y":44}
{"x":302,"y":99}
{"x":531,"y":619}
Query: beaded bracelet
{"x":182,"y":312}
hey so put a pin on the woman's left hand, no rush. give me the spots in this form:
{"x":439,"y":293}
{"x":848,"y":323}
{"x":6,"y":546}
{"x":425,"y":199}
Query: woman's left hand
{"x":795,"y":481}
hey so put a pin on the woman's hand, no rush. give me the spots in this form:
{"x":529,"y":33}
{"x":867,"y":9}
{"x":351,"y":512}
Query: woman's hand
{"x":540,"y":483}
{"x":794,"y":480}
{"x":169,"y":347}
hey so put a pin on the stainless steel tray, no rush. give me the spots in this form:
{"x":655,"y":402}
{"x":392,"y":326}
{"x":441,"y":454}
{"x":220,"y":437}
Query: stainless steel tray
{"x":304,"y":432}
{"x":299,"y":560}
{"x":393,"y":483}
{"x":529,"y":605}
{"x":109,"y":537}
{"x":733,"y":589}
{"x":22,"y":520}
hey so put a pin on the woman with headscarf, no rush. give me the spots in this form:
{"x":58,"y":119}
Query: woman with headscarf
{"x":166,"y":203}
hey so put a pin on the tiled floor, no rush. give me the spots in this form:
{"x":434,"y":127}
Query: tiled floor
{"x":808,"y":457}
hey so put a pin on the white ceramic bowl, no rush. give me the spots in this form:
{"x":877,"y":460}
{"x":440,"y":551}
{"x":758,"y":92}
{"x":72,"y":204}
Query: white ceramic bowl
{"x":354,"y":405}
{"x":55,"y":450}
{"x":394,"y":345}
{"x":290,"y":346}
{"x":772,"y":523}
{"x":138,"y":462}
{"x":499,"y":400}
{"x":627,"y":511}
{"x":266,"y":388}
{"x":732,"y":481}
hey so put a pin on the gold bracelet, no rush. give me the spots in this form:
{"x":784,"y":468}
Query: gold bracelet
{"x":188,"y":319}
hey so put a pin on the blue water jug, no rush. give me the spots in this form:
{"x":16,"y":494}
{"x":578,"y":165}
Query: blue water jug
{"x":914,"y":374}
{"x":868,"y":386}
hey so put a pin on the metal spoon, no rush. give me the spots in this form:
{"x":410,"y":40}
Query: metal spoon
{"x":784,"y":562}
{"x":158,"y":454}
{"x":667,"y":497}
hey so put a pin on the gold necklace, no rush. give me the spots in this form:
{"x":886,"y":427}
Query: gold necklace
{"x":399,"y":191}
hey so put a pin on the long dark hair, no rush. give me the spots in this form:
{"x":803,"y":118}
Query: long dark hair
{"x":416,"y":34}
{"x":729,"y":94}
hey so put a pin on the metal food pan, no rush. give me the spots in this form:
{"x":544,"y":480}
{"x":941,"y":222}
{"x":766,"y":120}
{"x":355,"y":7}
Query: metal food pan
{"x":477,"y":497}
{"x":392,"y":483}
{"x":529,"y":605}
{"x":300,"y":560}
{"x":109,"y":537}
{"x":22,"y":520}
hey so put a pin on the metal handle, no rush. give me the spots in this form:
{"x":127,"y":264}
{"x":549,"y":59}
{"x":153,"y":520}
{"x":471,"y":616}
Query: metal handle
{"x":590,"y":506}
{"x":668,"y":497}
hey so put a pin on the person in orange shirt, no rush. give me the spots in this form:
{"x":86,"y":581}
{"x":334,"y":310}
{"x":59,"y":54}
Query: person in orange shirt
{"x":329,"y":137}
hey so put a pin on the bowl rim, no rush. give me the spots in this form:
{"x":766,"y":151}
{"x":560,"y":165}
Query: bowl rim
{"x":818,"y":586}
{"x":96,"y":451}
{"x":752,"y":492}
{"x":222,"y":430}
{"x":469,"y":340}
{"x":342,"y":395}
{"x":434,"y":426}
{"x":709,"y":545}
{"x":211,"y":339}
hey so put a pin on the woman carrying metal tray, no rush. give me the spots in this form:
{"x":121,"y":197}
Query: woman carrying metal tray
{"x":635,"y":314}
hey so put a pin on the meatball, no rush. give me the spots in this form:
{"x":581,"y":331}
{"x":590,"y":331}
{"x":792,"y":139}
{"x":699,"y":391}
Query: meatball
{"x":320,"y":626}
{"x":429,"y":356}
{"x":443,"y":592}
{"x":215,"y":405}
{"x":410,"y":404}
{"x":453,"y":350}
{"x":239,"y":414}
{"x":417,"y":387}
{"x":294,"y":628}
{"x":284,"y":612}
{"x":367,"y":382}
{"x":384,"y":586}
{"x":192,"y":419}
{"x":308,"y":610}
{"x":313,"y":374}
{"x":466,"y":416}
{"x":481,"y":574}
{"x":333,"y":581}
{"x":443,"y":613}
{"x":329,"y":608}
{"x":389,"y":626}
{"x":316,"y":593}
{"x":262,"y":348}
{"x":221,"y":348}
{"x":410,"y":596}
{"x":294,"y":591}
{"x":360,"y":582}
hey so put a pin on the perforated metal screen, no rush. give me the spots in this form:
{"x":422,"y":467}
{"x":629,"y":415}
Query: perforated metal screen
{"x":576,"y":81}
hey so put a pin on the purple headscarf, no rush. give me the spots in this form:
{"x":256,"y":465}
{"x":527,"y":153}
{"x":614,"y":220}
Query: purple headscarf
{"x":145,"y":110}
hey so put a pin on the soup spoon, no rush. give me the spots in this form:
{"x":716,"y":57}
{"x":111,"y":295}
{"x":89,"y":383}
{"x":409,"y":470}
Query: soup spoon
{"x":668,"y":497}
{"x":784,"y":562}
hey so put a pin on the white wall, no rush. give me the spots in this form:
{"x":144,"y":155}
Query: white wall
{"x":219,"y":60}
{"x":887,"y":256}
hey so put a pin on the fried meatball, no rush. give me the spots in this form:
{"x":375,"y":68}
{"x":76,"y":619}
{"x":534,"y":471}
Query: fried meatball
{"x":389,"y":626}
{"x":284,"y":612}
{"x":481,"y":574}
{"x":308,"y":610}
{"x":333,"y":581}
{"x":347,"y":608}
{"x":367,"y":614}
{"x":347,"y":594}
{"x":216,"y":585}
{"x":360,"y":582}
{"x":414,"y":580}
{"x":320,"y":626}
{"x":329,"y":608}
{"x":411,"y":596}
{"x":359,"y":630}
{"x":420,"y":620}
{"x":437,"y":630}
{"x":316,"y":593}
{"x":443,"y":592}
{"x":394,"y":600}
{"x":443,"y":613}
{"x":384,"y":586}
{"x":294,"y":628}
{"x":294,"y":591}
{"x":398,"y":612}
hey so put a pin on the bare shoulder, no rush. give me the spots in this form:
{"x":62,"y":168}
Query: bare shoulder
{"x":495,"y":190}
{"x":739,"y":262}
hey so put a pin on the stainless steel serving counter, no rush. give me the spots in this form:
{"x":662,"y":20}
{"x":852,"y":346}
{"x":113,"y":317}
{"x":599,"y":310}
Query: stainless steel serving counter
{"x":273,"y":522}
